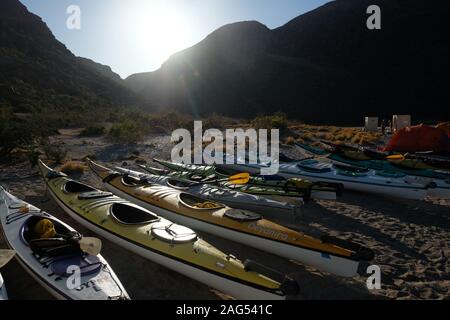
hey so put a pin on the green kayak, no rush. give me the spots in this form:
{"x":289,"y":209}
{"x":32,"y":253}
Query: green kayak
{"x":274,"y":186}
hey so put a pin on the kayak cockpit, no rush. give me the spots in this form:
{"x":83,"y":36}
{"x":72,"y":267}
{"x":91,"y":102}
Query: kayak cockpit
{"x":131,"y":181}
{"x":27,"y":231}
{"x":180,"y":185}
{"x":49,"y":238}
{"x":129,"y":214}
{"x":197,"y":203}
{"x":76,"y":187}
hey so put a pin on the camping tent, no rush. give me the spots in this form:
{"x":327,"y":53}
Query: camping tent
{"x":400,"y":121}
{"x":371,"y":124}
{"x":420,"y":139}
{"x":444,"y":126}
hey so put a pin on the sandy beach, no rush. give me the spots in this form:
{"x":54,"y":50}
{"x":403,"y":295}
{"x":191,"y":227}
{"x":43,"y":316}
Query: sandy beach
{"x":410,"y":238}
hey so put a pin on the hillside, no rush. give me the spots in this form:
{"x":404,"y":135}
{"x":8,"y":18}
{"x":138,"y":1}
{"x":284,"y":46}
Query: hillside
{"x":38,"y":73}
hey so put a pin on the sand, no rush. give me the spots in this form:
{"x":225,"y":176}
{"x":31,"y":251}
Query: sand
{"x":410,"y":238}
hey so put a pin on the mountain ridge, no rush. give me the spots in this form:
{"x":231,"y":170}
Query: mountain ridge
{"x":39,"y":73}
{"x":323,"y":66}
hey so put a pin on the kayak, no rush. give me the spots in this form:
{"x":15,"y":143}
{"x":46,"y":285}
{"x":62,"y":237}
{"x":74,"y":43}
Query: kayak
{"x":48,"y":259}
{"x":308,"y":149}
{"x":418,"y":163}
{"x":234,"y":199}
{"x":407,"y":161}
{"x":438,"y":182}
{"x":352,"y":178}
{"x":3,"y":293}
{"x":328,"y":254}
{"x":274,"y":185}
{"x":162,"y":241}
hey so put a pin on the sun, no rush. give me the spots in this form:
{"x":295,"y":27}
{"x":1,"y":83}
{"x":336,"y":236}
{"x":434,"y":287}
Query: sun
{"x":160,"y":31}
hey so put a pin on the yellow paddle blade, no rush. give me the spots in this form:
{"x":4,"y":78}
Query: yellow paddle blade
{"x":240,"y":178}
{"x":396,"y":157}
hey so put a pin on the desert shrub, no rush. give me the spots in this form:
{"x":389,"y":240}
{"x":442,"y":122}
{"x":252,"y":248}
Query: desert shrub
{"x":71,"y":167}
{"x":307,"y":137}
{"x":14,"y":132}
{"x":289,"y":141}
{"x":33,"y":154}
{"x":126,"y":131}
{"x":94,"y":130}
{"x":54,"y":152}
{"x":276,"y":121}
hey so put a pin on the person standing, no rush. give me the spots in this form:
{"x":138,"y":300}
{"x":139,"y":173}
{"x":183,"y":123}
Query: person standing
{"x":383,"y":127}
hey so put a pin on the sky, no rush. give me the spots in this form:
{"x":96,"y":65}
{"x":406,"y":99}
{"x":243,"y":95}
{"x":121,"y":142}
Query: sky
{"x":133,"y":36}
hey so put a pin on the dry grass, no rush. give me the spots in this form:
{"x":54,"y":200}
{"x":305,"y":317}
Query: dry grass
{"x":71,"y":167}
{"x":309,"y":133}
{"x":289,"y":141}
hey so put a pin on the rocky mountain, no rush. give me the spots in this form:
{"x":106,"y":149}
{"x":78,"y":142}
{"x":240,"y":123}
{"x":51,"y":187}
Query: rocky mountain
{"x":38,"y":73}
{"x":324,"y":66}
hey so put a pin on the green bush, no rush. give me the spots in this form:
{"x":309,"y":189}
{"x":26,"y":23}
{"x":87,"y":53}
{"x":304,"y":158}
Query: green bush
{"x":276,"y":121}
{"x":94,"y":130}
{"x":126,"y":131}
{"x":14,"y":132}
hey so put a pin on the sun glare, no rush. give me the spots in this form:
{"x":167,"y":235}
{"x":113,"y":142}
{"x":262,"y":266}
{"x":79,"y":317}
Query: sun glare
{"x":159,"y":31}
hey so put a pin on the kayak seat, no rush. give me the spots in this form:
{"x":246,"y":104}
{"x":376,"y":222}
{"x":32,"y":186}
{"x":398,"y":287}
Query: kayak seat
{"x":88,"y":265}
{"x":197,"y":203}
{"x":58,"y":246}
{"x":27,"y":230}
{"x":129,"y":214}
{"x":77,"y":187}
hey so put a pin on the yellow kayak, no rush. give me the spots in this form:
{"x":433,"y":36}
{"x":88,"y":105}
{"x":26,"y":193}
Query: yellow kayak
{"x":334,"y":256}
{"x":157,"y":239}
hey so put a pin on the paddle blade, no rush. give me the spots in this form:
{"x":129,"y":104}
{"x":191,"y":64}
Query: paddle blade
{"x":5,"y":256}
{"x":90,"y":245}
{"x":396,"y":157}
{"x":240,"y":178}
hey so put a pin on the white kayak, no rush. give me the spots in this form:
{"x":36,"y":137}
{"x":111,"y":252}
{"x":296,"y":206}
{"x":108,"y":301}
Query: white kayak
{"x":57,"y":272}
{"x":3,"y":293}
{"x":234,"y":199}
{"x":363,"y":180}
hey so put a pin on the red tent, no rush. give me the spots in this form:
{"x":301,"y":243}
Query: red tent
{"x":419,"y":139}
{"x":444,"y":126}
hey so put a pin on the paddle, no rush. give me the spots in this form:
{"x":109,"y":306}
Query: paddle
{"x":396,"y":157}
{"x":5,"y":256}
{"x":240,"y":178}
{"x":90,"y":245}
